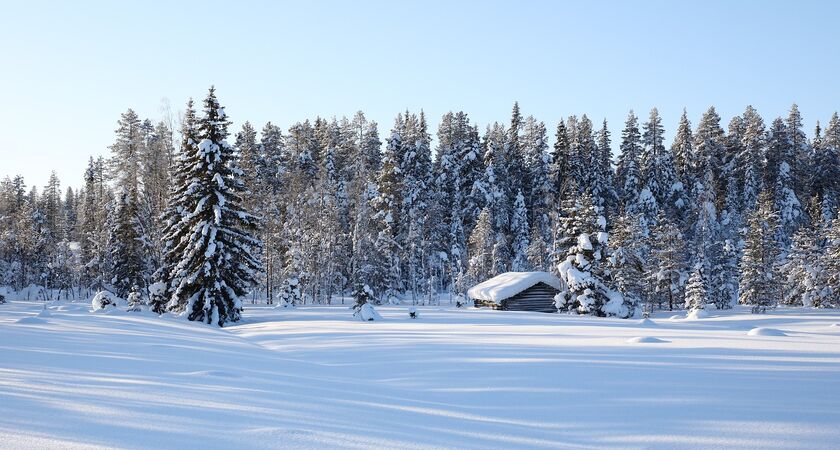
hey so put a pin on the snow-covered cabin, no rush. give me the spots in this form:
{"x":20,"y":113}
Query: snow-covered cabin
{"x":518,"y":291}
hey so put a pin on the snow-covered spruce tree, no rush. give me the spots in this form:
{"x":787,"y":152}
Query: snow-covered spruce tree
{"x":627,"y":174}
{"x":218,"y":263}
{"x":709,"y":152}
{"x":179,"y":205}
{"x":415,"y":168}
{"x":628,"y":258}
{"x":802,"y":162}
{"x":781,"y":179}
{"x":683,"y":151}
{"x":831,"y":261}
{"x":706,"y":233}
{"x":519,"y":230}
{"x":656,"y":167}
{"x":759,"y":284}
{"x":585,"y":270}
{"x":695,"y":290}
{"x":668,"y":261}
{"x":127,"y":239}
{"x":559,"y":167}
{"x":825,"y":183}
{"x":538,"y":251}
{"x":516,"y":171}
{"x":290,"y":295}
{"x":481,"y":244}
{"x":386,"y":216}
{"x":753,"y":145}
{"x":806,"y":279}
{"x":534,"y":145}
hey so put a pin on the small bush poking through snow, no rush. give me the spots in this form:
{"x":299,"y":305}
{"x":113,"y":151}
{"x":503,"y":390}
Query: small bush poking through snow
{"x":105,"y":299}
{"x":412,"y":312}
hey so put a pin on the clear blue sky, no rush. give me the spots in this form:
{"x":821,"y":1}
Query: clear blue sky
{"x":70,"y":68}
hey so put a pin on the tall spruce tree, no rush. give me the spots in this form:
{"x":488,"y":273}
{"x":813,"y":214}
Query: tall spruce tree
{"x":218,"y":265}
{"x":760,"y":280}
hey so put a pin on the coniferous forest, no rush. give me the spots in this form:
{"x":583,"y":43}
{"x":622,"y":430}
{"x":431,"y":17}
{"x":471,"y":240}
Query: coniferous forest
{"x":199,"y":219}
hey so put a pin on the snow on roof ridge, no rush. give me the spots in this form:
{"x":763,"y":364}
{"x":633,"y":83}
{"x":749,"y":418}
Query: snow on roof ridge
{"x":508,"y":284}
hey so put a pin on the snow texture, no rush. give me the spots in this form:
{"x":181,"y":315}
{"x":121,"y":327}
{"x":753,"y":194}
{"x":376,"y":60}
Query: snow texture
{"x":508,"y":284}
{"x":761,"y":331}
{"x":315,"y":377}
{"x":646,"y":340}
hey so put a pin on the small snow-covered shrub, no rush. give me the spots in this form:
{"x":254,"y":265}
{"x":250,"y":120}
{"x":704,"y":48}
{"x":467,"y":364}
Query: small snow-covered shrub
{"x":135,"y":303}
{"x":697,"y":314}
{"x":32,"y":292}
{"x":105,"y":299}
{"x":157,"y":297}
{"x":367,"y":314}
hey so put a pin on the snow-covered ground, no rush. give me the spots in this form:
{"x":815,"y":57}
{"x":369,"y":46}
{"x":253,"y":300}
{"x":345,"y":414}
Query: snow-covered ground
{"x":318,"y":378}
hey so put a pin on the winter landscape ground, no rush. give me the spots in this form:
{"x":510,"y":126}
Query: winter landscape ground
{"x":315,"y":377}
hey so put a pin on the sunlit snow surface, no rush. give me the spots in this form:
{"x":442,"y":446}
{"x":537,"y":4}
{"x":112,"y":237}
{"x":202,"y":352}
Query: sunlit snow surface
{"x":316,"y":377}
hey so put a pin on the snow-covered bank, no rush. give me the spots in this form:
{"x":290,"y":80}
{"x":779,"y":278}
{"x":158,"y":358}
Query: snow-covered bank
{"x":315,"y":377}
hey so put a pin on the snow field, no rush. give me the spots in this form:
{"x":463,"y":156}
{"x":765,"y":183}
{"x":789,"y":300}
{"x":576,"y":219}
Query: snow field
{"x":316,"y":377}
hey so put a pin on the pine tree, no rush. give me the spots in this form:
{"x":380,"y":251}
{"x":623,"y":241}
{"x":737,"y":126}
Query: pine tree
{"x":534,"y":147}
{"x":181,"y":203}
{"x":559,"y":169}
{"x":481,"y":244}
{"x":128,"y":241}
{"x":519,"y":231}
{"x":759,"y":284}
{"x":628,"y":260}
{"x":780,"y":161}
{"x":806,"y":278}
{"x":709,"y":152}
{"x":628,"y":175}
{"x":801,"y":153}
{"x":695,"y":291}
{"x":585,"y":270}
{"x":217,"y":266}
{"x":668,"y":261}
{"x":387,"y":215}
{"x":753,"y":146}
{"x":683,"y":151}
{"x":538,"y":250}
{"x":825,"y":182}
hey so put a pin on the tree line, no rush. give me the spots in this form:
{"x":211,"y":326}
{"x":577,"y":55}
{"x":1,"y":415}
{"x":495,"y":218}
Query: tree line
{"x":327,"y":208}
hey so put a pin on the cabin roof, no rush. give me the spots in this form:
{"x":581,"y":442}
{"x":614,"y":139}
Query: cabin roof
{"x":508,"y":284}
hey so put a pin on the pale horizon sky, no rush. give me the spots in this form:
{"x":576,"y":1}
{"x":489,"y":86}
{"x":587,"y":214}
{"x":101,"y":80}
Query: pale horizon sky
{"x":71,"y":68}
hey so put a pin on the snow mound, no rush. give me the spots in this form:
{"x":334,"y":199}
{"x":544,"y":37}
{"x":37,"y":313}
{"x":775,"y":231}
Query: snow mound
{"x":646,"y":322}
{"x":105,"y":299}
{"x":30,"y":320}
{"x":697,"y":314}
{"x":834,"y":325}
{"x":44,"y":313}
{"x":676,"y":317}
{"x":508,"y":284}
{"x":765,"y":332}
{"x":213,"y":373}
{"x":646,"y":340}
{"x":367,"y":313}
